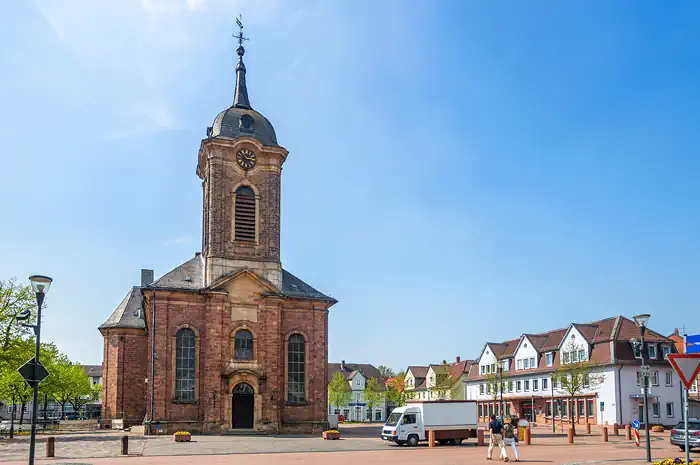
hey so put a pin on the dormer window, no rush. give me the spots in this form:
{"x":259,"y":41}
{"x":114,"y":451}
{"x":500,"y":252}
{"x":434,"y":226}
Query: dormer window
{"x":652,"y":351}
{"x":637,"y":351}
{"x":666,"y":350}
{"x":245,"y":123}
{"x":549,"y":357}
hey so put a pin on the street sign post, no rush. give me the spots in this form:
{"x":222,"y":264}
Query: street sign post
{"x":645,"y":370}
{"x":636,"y":424}
{"x":32,"y":376}
{"x":687,"y":366}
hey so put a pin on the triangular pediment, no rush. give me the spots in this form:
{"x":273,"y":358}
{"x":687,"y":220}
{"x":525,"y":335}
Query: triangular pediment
{"x":243,"y":281}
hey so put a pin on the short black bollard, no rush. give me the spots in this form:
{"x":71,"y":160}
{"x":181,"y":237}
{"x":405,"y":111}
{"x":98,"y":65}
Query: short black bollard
{"x":50,"y":446}
{"x":125,"y":445}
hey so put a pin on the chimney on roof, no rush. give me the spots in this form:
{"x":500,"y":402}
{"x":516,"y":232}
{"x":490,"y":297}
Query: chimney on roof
{"x":146,"y":277}
{"x":342,"y":365}
{"x":675,"y":331}
{"x":457,"y":360}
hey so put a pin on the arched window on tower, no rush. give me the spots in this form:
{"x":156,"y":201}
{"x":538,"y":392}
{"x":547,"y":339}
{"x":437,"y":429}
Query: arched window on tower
{"x":185,"y":348}
{"x":243,"y":345}
{"x":244,"y":225}
{"x":296,"y":369}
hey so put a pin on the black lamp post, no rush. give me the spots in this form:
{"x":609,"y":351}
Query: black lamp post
{"x":500,"y":388}
{"x":642,"y":321}
{"x":40,"y":285}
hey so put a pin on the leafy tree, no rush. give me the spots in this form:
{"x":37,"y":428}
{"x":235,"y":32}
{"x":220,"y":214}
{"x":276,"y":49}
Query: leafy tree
{"x":13,"y":388}
{"x":339,"y":392}
{"x":14,"y":299}
{"x":386,"y":371}
{"x":72,"y":385}
{"x":575,"y":377}
{"x":443,"y":380}
{"x":395,"y":389}
{"x":82,"y":389}
{"x":372,"y":394}
{"x":495,"y":386}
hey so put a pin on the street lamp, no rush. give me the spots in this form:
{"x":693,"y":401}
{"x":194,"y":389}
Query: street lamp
{"x":40,"y":285}
{"x":500,"y":387}
{"x":642,"y":321}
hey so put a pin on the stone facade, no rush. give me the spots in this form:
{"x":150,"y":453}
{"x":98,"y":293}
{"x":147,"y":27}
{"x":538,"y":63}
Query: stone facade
{"x":234,"y":286}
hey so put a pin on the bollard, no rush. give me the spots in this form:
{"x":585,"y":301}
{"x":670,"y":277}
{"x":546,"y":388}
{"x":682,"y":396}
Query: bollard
{"x":50,"y":446}
{"x":605,"y":434}
{"x":431,"y":438}
{"x":616,"y":429}
{"x":125,"y":445}
{"x":480,"y":437}
{"x":628,"y":432}
{"x":588,"y":428}
{"x":528,"y":436}
{"x":571,"y":435}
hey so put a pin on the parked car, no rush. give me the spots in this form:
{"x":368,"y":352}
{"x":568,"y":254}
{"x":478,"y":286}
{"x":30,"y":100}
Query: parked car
{"x":6,"y":424}
{"x":678,"y":434}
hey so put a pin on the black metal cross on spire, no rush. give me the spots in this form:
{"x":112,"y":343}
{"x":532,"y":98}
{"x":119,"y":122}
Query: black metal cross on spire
{"x":239,"y":36}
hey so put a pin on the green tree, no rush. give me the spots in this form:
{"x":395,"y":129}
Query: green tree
{"x":14,"y":299}
{"x":395,"y":389}
{"x":372,"y":394}
{"x":443,"y":380}
{"x":495,"y":387}
{"x":71,"y":384}
{"x":386,"y":371}
{"x":13,"y":388}
{"x":339,"y":393}
{"x":82,"y":389}
{"x":575,"y":376}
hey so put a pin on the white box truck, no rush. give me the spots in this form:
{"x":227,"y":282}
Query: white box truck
{"x":452,"y":421}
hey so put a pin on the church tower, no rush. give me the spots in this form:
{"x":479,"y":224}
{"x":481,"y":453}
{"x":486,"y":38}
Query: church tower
{"x":240,"y":164}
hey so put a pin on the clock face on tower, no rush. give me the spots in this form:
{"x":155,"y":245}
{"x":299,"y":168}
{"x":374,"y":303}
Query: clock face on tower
{"x":246,"y":159}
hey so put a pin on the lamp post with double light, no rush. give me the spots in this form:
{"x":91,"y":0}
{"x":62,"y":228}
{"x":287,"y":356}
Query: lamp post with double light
{"x":642,"y":321}
{"x":40,"y":285}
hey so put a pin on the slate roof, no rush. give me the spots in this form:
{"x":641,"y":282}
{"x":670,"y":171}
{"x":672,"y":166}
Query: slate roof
{"x":129,"y":313}
{"x":92,"y":370}
{"x":367,"y":370}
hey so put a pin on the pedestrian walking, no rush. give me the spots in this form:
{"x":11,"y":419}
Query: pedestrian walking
{"x":510,"y":437}
{"x":496,"y":439}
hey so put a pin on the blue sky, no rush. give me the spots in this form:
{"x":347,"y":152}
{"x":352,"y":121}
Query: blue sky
{"x":458,"y":171}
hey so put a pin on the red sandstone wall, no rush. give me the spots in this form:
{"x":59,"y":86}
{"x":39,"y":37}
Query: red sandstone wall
{"x":124,"y":374}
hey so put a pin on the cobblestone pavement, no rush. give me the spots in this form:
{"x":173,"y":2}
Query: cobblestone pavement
{"x":359,"y":443}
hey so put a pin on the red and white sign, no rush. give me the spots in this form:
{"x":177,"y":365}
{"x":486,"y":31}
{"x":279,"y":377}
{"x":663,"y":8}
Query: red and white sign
{"x":636,"y":437}
{"x":687,"y":366}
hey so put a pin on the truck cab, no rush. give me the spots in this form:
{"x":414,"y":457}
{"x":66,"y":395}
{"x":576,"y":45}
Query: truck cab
{"x":404,"y":426}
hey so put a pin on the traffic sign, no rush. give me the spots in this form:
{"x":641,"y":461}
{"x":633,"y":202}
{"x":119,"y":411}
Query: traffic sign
{"x":645,"y":370}
{"x":687,"y":366}
{"x":27,"y":372}
{"x":692,"y":344}
{"x":635,"y":424}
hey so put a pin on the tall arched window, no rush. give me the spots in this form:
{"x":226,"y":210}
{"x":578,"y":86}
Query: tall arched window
{"x":243,"y":345}
{"x":244,"y":224}
{"x":296,"y":361}
{"x":184,"y":364}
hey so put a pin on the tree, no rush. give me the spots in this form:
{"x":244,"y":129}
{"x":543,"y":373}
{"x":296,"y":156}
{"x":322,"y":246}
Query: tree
{"x":339,"y":392}
{"x":386,"y":371}
{"x":575,"y":376}
{"x":82,"y":389}
{"x":395,"y":389}
{"x":13,"y":388}
{"x":72,"y":385}
{"x":443,"y":380}
{"x":372,"y":394}
{"x":14,"y":299}
{"x":495,"y":386}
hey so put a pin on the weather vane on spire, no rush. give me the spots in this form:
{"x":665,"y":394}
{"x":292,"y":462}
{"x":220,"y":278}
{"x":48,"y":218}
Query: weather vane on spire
{"x":239,"y":36}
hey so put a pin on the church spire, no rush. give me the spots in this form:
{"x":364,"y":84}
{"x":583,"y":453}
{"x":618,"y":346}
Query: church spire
{"x":240,"y":97}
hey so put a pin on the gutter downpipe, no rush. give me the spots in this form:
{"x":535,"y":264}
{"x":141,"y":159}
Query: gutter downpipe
{"x":619,"y":392}
{"x":153,"y":360}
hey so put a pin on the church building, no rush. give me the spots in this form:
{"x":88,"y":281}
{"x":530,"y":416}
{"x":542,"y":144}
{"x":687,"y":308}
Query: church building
{"x":229,"y":339}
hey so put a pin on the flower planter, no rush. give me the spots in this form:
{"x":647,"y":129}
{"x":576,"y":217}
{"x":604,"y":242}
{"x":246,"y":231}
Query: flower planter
{"x":328,"y":435}
{"x":657,"y":429}
{"x":182,"y":437}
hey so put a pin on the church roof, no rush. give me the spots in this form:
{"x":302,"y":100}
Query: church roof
{"x":240,"y":119}
{"x":129,"y":313}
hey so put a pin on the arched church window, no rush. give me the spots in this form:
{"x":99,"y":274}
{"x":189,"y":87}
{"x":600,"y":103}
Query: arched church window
{"x":296,"y":366}
{"x":184,"y":364}
{"x":243,"y":345}
{"x":244,"y":225}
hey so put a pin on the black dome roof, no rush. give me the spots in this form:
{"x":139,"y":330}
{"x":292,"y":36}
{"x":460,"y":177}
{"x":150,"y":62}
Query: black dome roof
{"x":236,"y":122}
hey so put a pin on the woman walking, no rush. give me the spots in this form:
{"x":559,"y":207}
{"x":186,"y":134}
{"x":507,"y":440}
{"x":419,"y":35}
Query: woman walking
{"x":496,"y":439}
{"x":509,"y":437}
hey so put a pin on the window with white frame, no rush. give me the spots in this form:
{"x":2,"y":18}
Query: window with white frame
{"x":481,"y":388}
{"x":527,"y":385}
{"x":566,"y":357}
{"x":518,"y":386}
{"x":493,"y":368}
{"x":510,"y":386}
{"x":581,"y":355}
{"x":669,"y":409}
{"x":535,"y":384}
{"x":669,"y":378}
{"x":637,"y":352}
{"x":554,"y":383}
{"x":545,"y":381}
{"x":694,"y":387}
{"x":519,"y":364}
{"x":549,"y":357}
{"x":666,"y":350}
{"x":526,"y":363}
{"x":639,"y":379}
{"x":586,"y":380}
{"x":532,"y":362}
{"x":655,"y":409}
{"x":652,"y":351}
{"x":654,"y":378}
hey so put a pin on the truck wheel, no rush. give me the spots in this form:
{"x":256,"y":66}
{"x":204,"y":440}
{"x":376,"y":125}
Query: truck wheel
{"x":442,"y":442}
{"x":400,"y":443}
{"x":456,"y":442}
{"x":412,"y":440}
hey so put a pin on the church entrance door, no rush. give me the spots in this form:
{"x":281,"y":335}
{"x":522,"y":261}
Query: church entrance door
{"x":243,"y":406}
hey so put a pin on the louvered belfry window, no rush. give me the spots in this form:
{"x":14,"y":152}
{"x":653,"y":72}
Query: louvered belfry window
{"x":245,"y":214}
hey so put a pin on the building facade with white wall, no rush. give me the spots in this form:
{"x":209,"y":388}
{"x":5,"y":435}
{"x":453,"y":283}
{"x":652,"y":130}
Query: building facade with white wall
{"x":612,"y":392}
{"x":357,"y":375}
